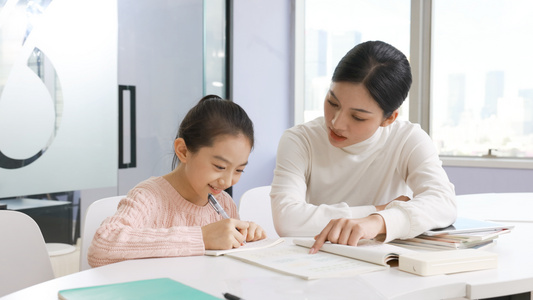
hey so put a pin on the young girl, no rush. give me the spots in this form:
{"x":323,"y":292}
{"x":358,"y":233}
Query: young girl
{"x":358,"y":172}
{"x":169,"y":215}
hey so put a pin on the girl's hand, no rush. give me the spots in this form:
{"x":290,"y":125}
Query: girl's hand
{"x":400,"y":198}
{"x":225,"y":234}
{"x":255,"y":232}
{"x":349,"y":231}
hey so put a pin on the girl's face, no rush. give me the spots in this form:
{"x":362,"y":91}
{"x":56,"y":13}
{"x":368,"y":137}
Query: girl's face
{"x":214,"y":169}
{"x":351,"y":114}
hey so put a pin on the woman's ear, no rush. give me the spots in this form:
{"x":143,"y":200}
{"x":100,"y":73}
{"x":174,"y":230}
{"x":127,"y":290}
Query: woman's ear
{"x":390,"y":119}
{"x":180,"y":148}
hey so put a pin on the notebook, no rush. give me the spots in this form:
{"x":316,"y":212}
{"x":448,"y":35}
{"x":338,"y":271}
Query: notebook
{"x":159,"y":288}
{"x":248,"y":246}
{"x":462,"y":225}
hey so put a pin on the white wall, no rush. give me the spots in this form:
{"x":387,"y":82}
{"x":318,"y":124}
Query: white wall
{"x":262,"y":81}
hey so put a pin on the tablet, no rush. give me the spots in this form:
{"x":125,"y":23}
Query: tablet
{"x":465,"y":225}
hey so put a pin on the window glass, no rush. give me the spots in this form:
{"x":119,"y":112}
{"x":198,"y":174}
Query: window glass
{"x":334,"y":27}
{"x":482,"y":84}
{"x":58,"y":96}
{"x":215,"y":48}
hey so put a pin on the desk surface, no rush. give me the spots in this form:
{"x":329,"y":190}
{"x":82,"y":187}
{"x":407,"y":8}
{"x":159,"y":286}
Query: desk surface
{"x":216,"y":275}
{"x":500,"y":207}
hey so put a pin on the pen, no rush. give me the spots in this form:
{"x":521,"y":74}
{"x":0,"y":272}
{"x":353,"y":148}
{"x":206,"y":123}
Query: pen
{"x":214,"y":203}
{"x":216,"y":206}
{"x":231,"y":297}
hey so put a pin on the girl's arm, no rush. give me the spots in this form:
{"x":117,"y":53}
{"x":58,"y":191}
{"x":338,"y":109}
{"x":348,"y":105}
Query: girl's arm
{"x":129,"y":234}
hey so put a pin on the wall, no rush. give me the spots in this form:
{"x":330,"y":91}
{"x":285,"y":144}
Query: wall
{"x":469,"y":180}
{"x":160,"y":51}
{"x":262,"y":81}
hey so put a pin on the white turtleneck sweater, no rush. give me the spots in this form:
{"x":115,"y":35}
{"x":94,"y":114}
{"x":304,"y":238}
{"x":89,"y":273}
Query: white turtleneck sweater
{"x":315,"y":182}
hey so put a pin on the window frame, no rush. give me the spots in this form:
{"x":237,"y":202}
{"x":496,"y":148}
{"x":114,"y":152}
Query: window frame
{"x":420,"y":93}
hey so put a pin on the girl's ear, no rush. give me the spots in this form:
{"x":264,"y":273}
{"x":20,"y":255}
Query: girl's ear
{"x":390,"y":119}
{"x":180,"y":148}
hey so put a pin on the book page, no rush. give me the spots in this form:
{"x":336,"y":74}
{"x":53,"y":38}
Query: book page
{"x":295,"y":260}
{"x":248,"y":246}
{"x":367,"y":250}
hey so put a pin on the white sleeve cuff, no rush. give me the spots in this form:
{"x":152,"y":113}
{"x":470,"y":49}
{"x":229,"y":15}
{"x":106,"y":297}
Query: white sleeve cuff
{"x":396,"y":222}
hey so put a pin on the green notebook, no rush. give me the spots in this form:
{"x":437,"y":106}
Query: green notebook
{"x":160,"y":288}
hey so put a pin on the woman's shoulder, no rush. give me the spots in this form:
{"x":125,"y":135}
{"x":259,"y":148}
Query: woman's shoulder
{"x":309,"y":132}
{"x":317,"y":124}
{"x":410,"y":136}
{"x":407,"y":130}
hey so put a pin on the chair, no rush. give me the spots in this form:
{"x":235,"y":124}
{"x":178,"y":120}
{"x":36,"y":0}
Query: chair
{"x":255,"y":206}
{"x":24,"y":260}
{"x":95,"y":215}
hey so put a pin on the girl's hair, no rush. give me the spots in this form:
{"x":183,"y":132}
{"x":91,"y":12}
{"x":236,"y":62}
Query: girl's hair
{"x":211,"y":118}
{"x":381,"y":68}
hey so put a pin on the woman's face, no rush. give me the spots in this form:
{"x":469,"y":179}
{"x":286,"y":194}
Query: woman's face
{"x":351,"y":114}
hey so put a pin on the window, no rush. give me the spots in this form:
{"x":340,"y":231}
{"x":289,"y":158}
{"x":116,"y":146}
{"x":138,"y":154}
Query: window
{"x":472,"y":65}
{"x":481,"y":79}
{"x":334,"y":27}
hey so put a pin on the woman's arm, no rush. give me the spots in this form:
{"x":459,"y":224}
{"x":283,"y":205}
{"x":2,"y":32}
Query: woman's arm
{"x":292,"y":215}
{"x":433,"y":203}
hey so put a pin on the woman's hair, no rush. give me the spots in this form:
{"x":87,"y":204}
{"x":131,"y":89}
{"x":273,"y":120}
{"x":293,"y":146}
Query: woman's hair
{"x":381,"y":68}
{"x":210,"y":118}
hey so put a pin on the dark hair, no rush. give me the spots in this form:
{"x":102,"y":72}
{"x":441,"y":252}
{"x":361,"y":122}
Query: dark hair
{"x":210,"y":118}
{"x":381,"y":68}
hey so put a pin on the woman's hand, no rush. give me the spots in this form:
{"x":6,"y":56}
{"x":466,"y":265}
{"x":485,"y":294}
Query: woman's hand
{"x":225,"y":234}
{"x":401,"y":198}
{"x":255,"y":232}
{"x":349,"y":231}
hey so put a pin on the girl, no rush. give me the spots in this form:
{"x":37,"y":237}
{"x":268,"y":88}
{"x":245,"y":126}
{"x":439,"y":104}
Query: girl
{"x":358,"y":172}
{"x":169,"y":215}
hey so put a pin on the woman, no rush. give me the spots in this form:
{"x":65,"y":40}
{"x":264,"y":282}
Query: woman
{"x":358,"y":172}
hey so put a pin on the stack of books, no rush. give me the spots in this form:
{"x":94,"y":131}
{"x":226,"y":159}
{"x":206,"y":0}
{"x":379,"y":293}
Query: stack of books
{"x":463,"y":234}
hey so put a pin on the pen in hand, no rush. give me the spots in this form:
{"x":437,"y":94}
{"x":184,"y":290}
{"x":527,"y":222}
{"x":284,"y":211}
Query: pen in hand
{"x":214,"y":203}
{"x":216,"y":206}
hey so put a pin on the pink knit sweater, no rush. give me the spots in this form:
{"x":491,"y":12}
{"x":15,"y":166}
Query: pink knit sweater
{"x":154,"y":220}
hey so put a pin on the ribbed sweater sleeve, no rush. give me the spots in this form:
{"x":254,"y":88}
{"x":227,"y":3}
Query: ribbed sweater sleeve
{"x":153,"y":220}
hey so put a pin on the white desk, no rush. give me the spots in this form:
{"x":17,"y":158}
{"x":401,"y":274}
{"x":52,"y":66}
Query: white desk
{"x":500,"y":207}
{"x":216,"y":275}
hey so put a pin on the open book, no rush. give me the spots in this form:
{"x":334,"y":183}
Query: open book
{"x":296,"y":260}
{"x":248,"y":246}
{"x":367,"y":250}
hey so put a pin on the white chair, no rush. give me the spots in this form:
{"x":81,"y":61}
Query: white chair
{"x":24,"y":260}
{"x":96,"y":213}
{"x":255,"y":206}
